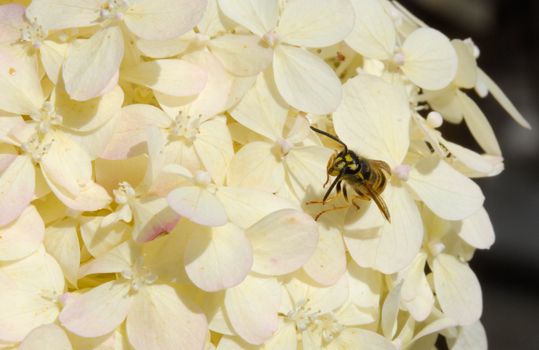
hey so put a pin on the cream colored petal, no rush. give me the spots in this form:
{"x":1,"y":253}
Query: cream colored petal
{"x":285,"y":338}
{"x":471,"y":337}
{"x":213,"y":99}
{"x":252,"y":308}
{"x":374,"y":119}
{"x":282,"y":241}
{"x":88,"y":115}
{"x":365,"y":286}
{"x":328,"y":262}
{"x":198,"y":205}
{"x":326,"y":299}
{"x":246,"y":206}
{"x":306,"y":169}
{"x":99,"y":240}
{"x":256,"y":166}
{"x":217,"y":258}
{"x":46,"y":337}
{"x":165,"y":48}
{"x":163,"y":19}
{"x":19,"y":81}
{"x":23,"y":236}
{"x":305,"y":81}
{"x":17,"y":184}
{"x":457,"y":289}
{"x":390,"y":311}
{"x":152,"y":217}
{"x":467,"y":66}
{"x":271,"y":110}
{"x":213,"y":145}
{"x":91,"y":64}
{"x":374,"y":33}
{"x":169,"y":76}
{"x":61,"y":14}
{"x":477,"y":230}
{"x":235,"y":343}
{"x":448,"y":193}
{"x":351,"y":338}
{"x":161,"y":318}
{"x":259,"y":16}
{"x":416,"y":294}
{"x":434,"y":327}
{"x":447,"y":103}
{"x":98,"y":311}
{"x":393,"y":246}
{"x":502,"y":99}
{"x":430,"y":61}
{"x":62,"y":242}
{"x":241,"y":55}
{"x":52,"y":57}
{"x":95,"y":142}
{"x":315,"y":23}
{"x":118,"y":259}
{"x":473,"y":164}
{"x":479,"y":125}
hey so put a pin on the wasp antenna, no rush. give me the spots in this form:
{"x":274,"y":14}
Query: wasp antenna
{"x":335,"y":138}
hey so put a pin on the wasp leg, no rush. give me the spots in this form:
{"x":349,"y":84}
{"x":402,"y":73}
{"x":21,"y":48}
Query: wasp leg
{"x":328,"y":210}
{"x":354,"y":203}
{"x":320,"y":201}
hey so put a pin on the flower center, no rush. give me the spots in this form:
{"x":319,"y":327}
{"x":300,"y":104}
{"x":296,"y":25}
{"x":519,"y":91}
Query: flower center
{"x":33,"y":33}
{"x":139,"y":275}
{"x":202,"y":178}
{"x":47,"y":118}
{"x":402,"y":171}
{"x":284,"y":146}
{"x":113,"y":9}
{"x":399,"y":58}
{"x":271,"y":38}
{"x":302,"y":316}
{"x":435,"y":120}
{"x":186,"y":126}
{"x":123,"y":193}
{"x":329,"y":327}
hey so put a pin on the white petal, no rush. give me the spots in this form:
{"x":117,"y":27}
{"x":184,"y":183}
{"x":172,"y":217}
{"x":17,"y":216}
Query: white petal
{"x":241,"y":55}
{"x":374,"y":34}
{"x":163,"y":19}
{"x":502,"y":99}
{"x":271,"y":111}
{"x":91,"y":64}
{"x":169,"y":76}
{"x":477,"y":230}
{"x":198,"y":205}
{"x":351,"y":338}
{"x":47,"y":337}
{"x":467,"y":66}
{"x":473,"y":164}
{"x":315,"y":23}
{"x":457,"y":289}
{"x":305,"y":81}
{"x":98,"y":311}
{"x":284,"y":339}
{"x":478,"y":124}
{"x":430,"y":61}
{"x":62,"y":242}
{"x":282,"y":242}
{"x":448,"y":193}
{"x":256,"y":166}
{"x":61,"y":14}
{"x":235,"y":343}
{"x":17,"y":184}
{"x":365,"y":286}
{"x":252,"y":308}
{"x":159,"y":318}
{"x":213,"y":145}
{"x":165,"y":48}
{"x":472,"y":337}
{"x":259,"y":16}
{"x":393,"y":246}
{"x":217,"y":258}
{"x":246,"y":206}
{"x":328,"y":262}
{"x":374,"y":119}
{"x":19,"y":81}
{"x":99,"y":240}
{"x":118,"y":259}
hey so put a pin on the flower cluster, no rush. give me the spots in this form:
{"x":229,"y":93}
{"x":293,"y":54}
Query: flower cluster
{"x":158,"y":173}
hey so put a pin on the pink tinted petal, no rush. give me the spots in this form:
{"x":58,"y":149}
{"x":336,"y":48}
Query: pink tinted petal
{"x":17,"y":184}
{"x":98,"y":311}
{"x":11,"y":20}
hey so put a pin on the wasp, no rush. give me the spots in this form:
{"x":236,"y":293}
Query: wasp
{"x":366,"y":177}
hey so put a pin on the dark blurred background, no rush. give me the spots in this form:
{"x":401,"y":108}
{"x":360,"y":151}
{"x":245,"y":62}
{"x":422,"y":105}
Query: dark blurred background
{"x":507,"y":33}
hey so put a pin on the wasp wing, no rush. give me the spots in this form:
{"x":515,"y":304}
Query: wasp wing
{"x":380,"y":203}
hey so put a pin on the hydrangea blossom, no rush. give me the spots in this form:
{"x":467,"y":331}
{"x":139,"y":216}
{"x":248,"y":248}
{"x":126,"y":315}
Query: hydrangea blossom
{"x":160,"y":183}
